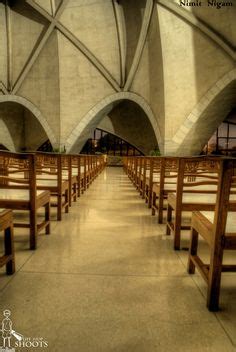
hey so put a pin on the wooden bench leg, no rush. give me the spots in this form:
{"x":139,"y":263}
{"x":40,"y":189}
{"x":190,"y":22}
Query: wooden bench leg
{"x":78,"y":189}
{"x":87,"y":182}
{"x":47,"y":217}
{"x":169,"y":218}
{"x":33,"y":229}
{"x":67,"y":201}
{"x":146,"y":194}
{"x":75,"y":192}
{"x":81,"y":187}
{"x":70,"y":194}
{"x":213,"y":292}
{"x":177,"y":229}
{"x":9,"y":250}
{"x":154,"y":197}
{"x":160,"y":208}
{"x":192,"y":250}
{"x":143,"y":190}
{"x":59,"y":207}
{"x":149,"y":199}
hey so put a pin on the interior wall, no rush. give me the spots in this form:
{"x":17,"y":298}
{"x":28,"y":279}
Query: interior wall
{"x":41,"y":85}
{"x":192,"y":66}
{"x":34,"y":134}
{"x":81,"y":86}
{"x":133,"y":11}
{"x":149,"y":78}
{"x":25,"y":23}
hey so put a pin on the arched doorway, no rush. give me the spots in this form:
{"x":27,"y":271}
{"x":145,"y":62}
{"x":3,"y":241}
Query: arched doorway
{"x":210,"y":112}
{"x":124,"y":114}
{"x":23,"y":128}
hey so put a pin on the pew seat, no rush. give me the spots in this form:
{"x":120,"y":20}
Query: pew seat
{"x":58,"y":192}
{"x":190,"y":202}
{"x":17,"y":194}
{"x":208,"y":217}
{"x":19,"y":199}
{"x":196,"y":190}
{"x":170,"y":188}
{"x":51,"y":181}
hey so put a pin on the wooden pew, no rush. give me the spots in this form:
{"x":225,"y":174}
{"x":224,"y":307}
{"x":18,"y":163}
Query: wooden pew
{"x":68,"y":172}
{"x":76,"y":172}
{"x":89,"y":170}
{"x":134,"y":170}
{"x":97,"y":165}
{"x":53,"y":175}
{"x":127,"y":163}
{"x":101,"y":163}
{"x":18,"y":191}
{"x":139,"y":172}
{"x":129,"y":166}
{"x":83,"y":173}
{"x":196,"y":190}
{"x":6,"y":225}
{"x":143,"y":172}
{"x":218,"y":229}
{"x":93,"y":169}
{"x":143,"y":179}
{"x":167,"y":184}
{"x":152,"y":176}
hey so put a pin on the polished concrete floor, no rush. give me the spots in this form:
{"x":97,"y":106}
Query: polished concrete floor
{"x":107,"y":279}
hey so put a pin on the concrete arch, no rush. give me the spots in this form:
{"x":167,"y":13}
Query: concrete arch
{"x":205,"y":117}
{"x":34,"y":110}
{"x":94,"y":116}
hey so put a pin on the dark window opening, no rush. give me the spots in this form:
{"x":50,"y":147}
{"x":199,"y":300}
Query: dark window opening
{"x":46,"y":147}
{"x":2,"y":147}
{"x":108,"y":143}
{"x":223,"y":141}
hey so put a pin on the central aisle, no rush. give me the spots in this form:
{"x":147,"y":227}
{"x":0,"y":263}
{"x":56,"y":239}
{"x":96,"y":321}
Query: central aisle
{"x":107,"y":279}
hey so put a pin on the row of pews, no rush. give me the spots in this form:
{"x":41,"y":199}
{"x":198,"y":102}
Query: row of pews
{"x":30,"y":182}
{"x":205,"y":188}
